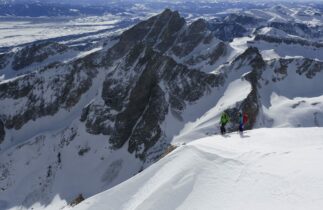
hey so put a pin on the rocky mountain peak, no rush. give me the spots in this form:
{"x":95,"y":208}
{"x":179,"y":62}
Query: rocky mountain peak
{"x":198,"y":26}
{"x":161,"y":29}
{"x":251,"y":56}
{"x":227,"y":30}
{"x":168,"y":13}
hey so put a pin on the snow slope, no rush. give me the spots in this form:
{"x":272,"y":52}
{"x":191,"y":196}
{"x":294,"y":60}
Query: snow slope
{"x":17,"y":31}
{"x":277,"y":168}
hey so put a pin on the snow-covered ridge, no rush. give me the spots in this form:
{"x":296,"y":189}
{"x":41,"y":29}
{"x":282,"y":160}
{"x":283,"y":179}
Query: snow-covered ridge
{"x":262,"y":169}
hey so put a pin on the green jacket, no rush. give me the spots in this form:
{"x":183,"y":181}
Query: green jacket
{"x":224,"y":118}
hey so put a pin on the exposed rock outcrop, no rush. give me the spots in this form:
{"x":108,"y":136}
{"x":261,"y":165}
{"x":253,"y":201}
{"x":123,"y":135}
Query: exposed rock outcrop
{"x":36,"y":53}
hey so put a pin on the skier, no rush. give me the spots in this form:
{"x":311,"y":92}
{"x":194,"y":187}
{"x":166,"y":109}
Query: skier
{"x":243,"y":119}
{"x":224,"y":120}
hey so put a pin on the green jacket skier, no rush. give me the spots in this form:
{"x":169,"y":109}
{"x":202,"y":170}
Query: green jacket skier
{"x":223,"y":121}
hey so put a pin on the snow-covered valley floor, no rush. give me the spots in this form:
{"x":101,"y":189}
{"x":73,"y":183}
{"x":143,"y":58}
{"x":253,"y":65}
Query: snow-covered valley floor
{"x":269,"y":168}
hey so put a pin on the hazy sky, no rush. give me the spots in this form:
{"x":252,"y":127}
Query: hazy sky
{"x":171,"y":1}
{"x":107,"y":1}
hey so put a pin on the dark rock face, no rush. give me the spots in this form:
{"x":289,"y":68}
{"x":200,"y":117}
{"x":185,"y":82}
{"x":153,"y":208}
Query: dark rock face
{"x":220,"y":50}
{"x":189,"y":85}
{"x":251,"y":105}
{"x":283,"y":66}
{"x":139,"y":93}
{"x":227,"y":31}
{"x":309,"y":67}
{"x":287,"y":40}
{"x":163,"y":32}
{"x":36,"y":53}
{"x":159,"y":31}
{"x":147,"y":131}
{"x":17,"y":88}
{"x":139,"y":99}
{"x":4,"y":60}
{"x":233,"y":26}
{"x":146,"y":83}
{"x":297,"y":29}
{"x":242,"y":19}
{"x":303,"y":66}
{"x":65,"y":88}
{"x":99,"y":123}
{"x":189,"y":39}
{"x":251,"y":57}
{"x":170,"y":32}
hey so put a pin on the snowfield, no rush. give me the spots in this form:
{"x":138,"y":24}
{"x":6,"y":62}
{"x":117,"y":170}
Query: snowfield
{"x":17,"y":31}
{"x":276,"y":168}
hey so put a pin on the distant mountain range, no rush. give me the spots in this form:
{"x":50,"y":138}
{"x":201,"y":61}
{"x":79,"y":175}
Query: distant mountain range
{"x":81,"y":8}
{"x":49,"y":10}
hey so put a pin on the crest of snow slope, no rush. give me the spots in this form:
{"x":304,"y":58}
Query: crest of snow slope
{"x":276,"y":168}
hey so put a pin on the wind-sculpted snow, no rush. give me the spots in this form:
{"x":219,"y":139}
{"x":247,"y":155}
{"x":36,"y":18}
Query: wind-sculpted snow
{"x":262,"y":169}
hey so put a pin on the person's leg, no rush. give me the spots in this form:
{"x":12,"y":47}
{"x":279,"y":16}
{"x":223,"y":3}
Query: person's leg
{"x":240,"y":127}
{"x":222,"y":129}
